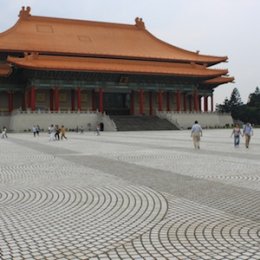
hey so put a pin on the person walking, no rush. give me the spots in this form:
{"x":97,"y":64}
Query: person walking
{"x":4,"y":133}
{"x":247,"y":132}
{"x":38,"y":129}
{"x":57,"y":133}
{"x":51,"y":131}
{"x":196,"y":133}
{"x":34,"y":130}
{"x":63,"y":131}
{"x":236,"y":133}
{"x":98,"y":129}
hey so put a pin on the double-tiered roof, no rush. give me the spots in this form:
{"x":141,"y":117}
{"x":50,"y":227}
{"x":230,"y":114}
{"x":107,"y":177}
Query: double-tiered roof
{"x":45,"y":43}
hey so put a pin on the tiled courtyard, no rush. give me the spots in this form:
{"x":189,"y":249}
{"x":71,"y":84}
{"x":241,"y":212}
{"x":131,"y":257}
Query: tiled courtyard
{"x":129,"y":195}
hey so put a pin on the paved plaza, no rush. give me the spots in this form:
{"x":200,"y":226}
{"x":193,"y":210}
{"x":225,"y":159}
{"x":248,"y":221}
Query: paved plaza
{"x":129,"y":195}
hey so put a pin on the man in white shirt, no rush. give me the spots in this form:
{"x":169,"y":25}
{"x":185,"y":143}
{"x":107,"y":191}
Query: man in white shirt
{"x":248,"y":132}
{"x":196,"y":133}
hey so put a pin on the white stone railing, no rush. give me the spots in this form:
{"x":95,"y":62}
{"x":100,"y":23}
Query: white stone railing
{"x":28,"y":112}
{"x":20,"y":121}
{"x":109,"y":124}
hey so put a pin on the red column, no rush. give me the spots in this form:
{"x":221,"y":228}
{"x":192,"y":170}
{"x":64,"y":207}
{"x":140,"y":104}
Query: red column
{"x":72,"y":99}
{"x":141,"y":101}
{"x":28,"y":94}
{"x":190,"y":102}
{"x":10,"y":101}
{"x":24,"y":105}
{"x":132,"y":100}
{"x":160,"y":99}
{"x":178,"y":100}
{"x":196,"y":100}
{"x":168,"y":101}
{"x":56,"y":99}
{"x":33,"y":101}
{"x":101,"y":92}
{"x":150,"y":103}
{"x":184,"y":102}
{"x":205,"y":103}
{"x":212,"y":103}
{"x":51,"y":99}
{"x":93,"y":100}
{"x":78,"y":99}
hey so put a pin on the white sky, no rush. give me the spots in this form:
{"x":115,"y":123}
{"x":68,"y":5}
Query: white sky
{"x":215,"y":27}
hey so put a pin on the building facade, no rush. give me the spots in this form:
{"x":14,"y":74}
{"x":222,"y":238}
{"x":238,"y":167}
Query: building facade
{"x":55,"y":64}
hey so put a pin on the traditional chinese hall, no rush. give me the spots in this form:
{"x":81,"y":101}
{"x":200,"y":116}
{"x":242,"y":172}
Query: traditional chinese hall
{"x":54,"y":65}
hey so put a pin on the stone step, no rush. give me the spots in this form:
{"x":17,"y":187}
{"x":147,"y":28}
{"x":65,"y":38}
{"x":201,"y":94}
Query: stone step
{"x":141,"y":123}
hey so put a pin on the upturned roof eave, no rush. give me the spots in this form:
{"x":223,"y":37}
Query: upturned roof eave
{"x":197,"y":57}
{"x":219,"y":80}
{"x":111,"y":66}
{"x":103,"y":55}
{"x":215,"y":82}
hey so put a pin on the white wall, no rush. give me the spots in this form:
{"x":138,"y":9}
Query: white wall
{"x":4,"y":121}
{"x":184,"y":120}
{"x":23,"y":121}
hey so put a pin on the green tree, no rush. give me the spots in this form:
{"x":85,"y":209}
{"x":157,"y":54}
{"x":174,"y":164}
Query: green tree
{"x":231,"y":105}
{"x":224,"y":108}
{"x":235,"y":99}
{"x":235,"y":103}
{"x":254,"y":99}
{"x":249,"y":112}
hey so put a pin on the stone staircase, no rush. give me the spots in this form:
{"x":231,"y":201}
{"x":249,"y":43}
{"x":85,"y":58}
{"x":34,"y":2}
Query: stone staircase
{"x":141,"y":123}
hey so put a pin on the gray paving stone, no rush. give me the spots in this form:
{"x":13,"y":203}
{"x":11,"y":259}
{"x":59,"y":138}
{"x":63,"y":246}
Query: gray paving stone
{"x":139,"y":195}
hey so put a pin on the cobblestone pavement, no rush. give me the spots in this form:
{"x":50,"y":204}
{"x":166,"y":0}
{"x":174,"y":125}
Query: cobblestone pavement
{"x":129,"y":195}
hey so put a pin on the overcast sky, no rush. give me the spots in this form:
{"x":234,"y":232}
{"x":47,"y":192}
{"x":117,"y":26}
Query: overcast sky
{"x":215,"y":27}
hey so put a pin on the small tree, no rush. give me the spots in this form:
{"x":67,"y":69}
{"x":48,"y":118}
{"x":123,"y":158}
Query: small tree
{"x":231,"y":105}
{"x":235,"y":103}
{"x":225,"y":107}
{"x":235,"y":99}
{"x":254,"y":99}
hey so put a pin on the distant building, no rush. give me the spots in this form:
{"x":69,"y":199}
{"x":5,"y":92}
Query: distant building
{"x":62,"y":64}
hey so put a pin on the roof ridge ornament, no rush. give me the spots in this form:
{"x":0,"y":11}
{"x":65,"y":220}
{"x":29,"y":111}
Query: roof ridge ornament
{"x":139,"y":23}
{"x":25,"y":13}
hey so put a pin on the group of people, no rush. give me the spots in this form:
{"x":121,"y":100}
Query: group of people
{"x":247,"y":132}
{"x":36,"y":130}
{"x":196,"y":134}
{"x":56,"y":133}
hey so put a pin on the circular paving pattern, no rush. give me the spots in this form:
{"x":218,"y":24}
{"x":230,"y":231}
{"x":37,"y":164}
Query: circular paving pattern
{"x":204,"y":238}
{"x":15,"y":156}
{"x":48,"y":169}
{"x":192,"y":231}
{"x":81,"y":221}
{"x":234,"y":171}
{"x":53,"y":206}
